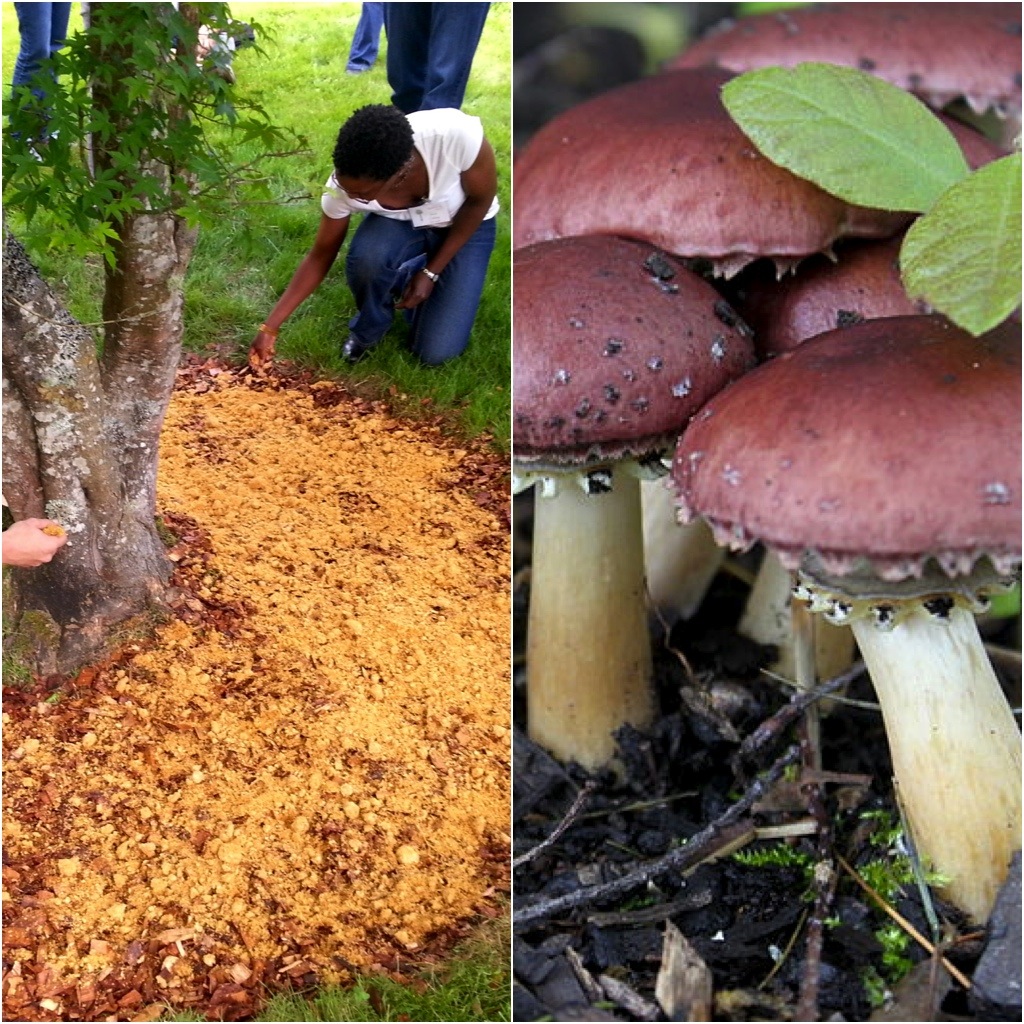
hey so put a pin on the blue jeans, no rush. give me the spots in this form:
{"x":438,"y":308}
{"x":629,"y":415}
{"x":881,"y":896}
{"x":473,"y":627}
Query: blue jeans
{"x":43,"y":29}
{"x":382,"y":258}
{"x":366,"y":41}
{"x":430,"y":52}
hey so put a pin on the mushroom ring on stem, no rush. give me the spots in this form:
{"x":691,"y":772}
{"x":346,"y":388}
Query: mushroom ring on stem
{"x":884,"y":462}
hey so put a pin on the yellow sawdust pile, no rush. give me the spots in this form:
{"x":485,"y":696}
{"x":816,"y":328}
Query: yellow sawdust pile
{"x":327,"y":777}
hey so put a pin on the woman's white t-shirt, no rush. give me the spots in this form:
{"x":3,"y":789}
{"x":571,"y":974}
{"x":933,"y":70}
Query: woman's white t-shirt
{"x":449,"y":142}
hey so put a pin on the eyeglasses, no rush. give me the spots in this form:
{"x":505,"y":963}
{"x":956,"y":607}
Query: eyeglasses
{"x":394,"y":181}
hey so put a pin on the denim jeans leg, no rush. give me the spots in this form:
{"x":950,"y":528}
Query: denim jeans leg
{"x":443,"y":324}
{"x":366,"y":40}
{"x":43,"y":28}
{"x":60,"y":15}
{"x":430,"y":52}
{"x":384,"y":253}
{"x":455,"y":30}
{"x":408,"y":30}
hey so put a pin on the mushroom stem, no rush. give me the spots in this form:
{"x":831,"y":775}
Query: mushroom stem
{"x":588,"y":648}
{"x":955,"y":746}
{"x":767,"y":619}
{"x":681,"y":559}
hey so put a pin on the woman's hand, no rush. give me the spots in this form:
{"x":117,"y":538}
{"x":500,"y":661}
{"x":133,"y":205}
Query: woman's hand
{"x":31,"y":542}
{"x":261,"y":351}
{"x":416,"y":291}
{"x":306,"y":279}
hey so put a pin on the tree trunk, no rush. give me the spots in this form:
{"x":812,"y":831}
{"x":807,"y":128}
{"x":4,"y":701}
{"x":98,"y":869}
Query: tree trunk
{"x":83,"y":428}
{"x":81,"y":442}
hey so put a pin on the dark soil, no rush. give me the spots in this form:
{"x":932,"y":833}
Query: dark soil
{"x":750,"y":923}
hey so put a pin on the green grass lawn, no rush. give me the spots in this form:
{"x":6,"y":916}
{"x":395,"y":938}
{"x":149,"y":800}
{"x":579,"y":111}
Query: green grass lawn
{"x":472,"y":986}
{"x":245,"y":261}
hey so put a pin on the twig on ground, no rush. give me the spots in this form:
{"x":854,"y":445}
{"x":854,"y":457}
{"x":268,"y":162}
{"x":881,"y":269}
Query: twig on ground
{"x":771,"y":729}
{"x":629,"y":999}
{"x":784,"y":956}
{"x":910,"y":848}
{"x":638,"y":805}
{"x":731,"y":828}
{"x":791,"y":830}
{"x":835,"y":698}
{"x":825,"y":878}
{"x":588,"y":982}
{"x":650,"y":915}
{"x":570,"y":816}
{"x":666,"y":632}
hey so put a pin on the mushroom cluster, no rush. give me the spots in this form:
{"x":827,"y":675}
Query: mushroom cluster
{"x":859,"y":382}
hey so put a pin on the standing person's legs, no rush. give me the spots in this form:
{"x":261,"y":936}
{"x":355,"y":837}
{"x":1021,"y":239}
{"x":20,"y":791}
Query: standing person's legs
{"x":442,"y":325}
{"x":455,"y":30}
{"x":408,"y":30}
{"x":43,"y":28}
{"x":383,"y":255}
{"x":366,"y":41}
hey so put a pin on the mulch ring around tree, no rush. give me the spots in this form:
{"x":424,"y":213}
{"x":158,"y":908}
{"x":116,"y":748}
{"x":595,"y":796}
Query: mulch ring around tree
{"x":693,"y":878}
{"x":305,"y":775}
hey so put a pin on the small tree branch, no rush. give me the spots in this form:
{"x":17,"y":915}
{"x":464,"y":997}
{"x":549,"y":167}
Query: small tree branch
{"x":570,"y":816}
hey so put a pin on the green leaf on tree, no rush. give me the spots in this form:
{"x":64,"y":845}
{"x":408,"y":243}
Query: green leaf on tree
{"x":964,"y":256}
{"x":854,"y":135}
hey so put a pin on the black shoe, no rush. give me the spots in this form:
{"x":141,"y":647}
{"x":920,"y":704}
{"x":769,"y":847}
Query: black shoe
{"x":353,"y":350}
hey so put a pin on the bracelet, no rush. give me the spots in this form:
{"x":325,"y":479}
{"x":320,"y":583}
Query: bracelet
{"x":433,"y":277}
{"x":264,"y":329}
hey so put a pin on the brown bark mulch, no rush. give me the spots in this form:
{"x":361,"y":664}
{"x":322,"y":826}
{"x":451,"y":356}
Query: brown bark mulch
{"x":305,"y":774}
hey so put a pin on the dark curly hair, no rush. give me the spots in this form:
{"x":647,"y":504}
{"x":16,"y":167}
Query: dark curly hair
{"x":373,"y":143}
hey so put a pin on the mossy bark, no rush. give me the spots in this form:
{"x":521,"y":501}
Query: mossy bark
{"x":82,"y":433}
{"x":63,"y":460}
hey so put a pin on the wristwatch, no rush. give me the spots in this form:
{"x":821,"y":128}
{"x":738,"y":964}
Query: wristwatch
{"x":433,"y":277}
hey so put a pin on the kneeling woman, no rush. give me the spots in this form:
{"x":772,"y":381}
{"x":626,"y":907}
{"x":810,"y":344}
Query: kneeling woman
{"x":427,"y":184}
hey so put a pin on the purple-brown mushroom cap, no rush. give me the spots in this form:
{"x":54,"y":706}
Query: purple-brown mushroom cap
{"x":661,"y":160}
{"x":940,"y":52}
{"x":893,"y":442}
{"x":977,"y":149}
{"x":616,"y":345}
{"x":862,"y":283}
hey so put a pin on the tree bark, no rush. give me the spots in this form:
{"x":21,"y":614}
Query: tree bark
{"x":83,"y":427}
{"x":69,"y":447}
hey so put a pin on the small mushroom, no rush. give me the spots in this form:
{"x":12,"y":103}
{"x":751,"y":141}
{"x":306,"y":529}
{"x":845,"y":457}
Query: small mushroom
{"x":680,"y":560}
{"x":862,"y":282}
{"x":609,"y":365}
{"x":883,"y":462}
